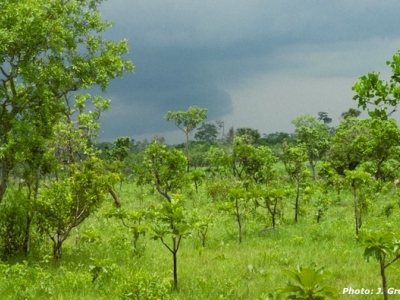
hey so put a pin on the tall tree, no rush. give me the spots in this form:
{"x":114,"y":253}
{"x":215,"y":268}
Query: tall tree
{"x":323,"y":116}
{"x":187,"y":121}
{"x":207,"y":132}
{"x":352,"y":112}
{"x":54,"y":50}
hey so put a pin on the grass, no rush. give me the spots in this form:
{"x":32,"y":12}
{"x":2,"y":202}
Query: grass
{"x":106,"y":267}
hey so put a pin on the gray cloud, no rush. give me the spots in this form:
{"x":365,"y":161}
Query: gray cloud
{"x":203,"y":52}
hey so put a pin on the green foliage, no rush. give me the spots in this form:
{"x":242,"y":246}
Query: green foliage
{"x":251,"y":135}
{"x":65,"y":204}
{"x":163,"y":168}
{"x":187,"y":121}
{"x":385,"y":248}
{"x":382,"y":95}
{"x":120,"y":150}
{"x":315,"y":136}
{"x":197,"y":177}
{"x":206,"y":132}
{"x":15,"y":219}
{"x":380,"y":245}
{"x":307,"y":284}
{"x":251,"y":163}
{"x":49,"y":54}
{"x":271,"y":198}
{"x":171,"y":220}
{"x":218,"y":190}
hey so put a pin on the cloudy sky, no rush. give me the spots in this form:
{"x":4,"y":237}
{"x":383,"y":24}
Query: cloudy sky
{"x":253,"y":63}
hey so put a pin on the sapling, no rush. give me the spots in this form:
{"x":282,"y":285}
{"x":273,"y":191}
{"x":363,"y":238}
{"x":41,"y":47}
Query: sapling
{"x":171,"y":221}
{"x":358,"y":181}
{"x":385,"y":248}
{"x":294,"y":159}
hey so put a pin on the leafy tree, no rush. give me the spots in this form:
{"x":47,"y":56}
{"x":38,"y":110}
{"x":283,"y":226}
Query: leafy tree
{"x":121,"y":148}
{"x":238,"y":205}
{"x":206,"y":132}
{"x":66,"y":203}
{"x":370,"y":142}
{"x":134,"y":220}
{"x":293,"y":159}
{"x":323,"y":116}
{"x":252,"y":135}
{"x":351,"y":113}
{"x":163,"y":168}
{"x":315,"y":136}
{"x":271,"y":198}
{"x":55,"y":50}
{"x":379,"y":97}
{"x":172,"y":220}
{"x":385,"y":248}
{"x":358,"y":181}
{"x":251,"y":163}
{"x":187,"y":121}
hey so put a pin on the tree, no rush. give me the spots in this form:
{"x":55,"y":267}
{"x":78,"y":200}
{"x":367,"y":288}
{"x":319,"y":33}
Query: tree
{"x":66,"y":203}
{"x":187,"y":121}
{"x":359,"y":181}
{"x":53,"y":51}
{"x":163,"y":168}
{"x":249,"y":163}
{"x":221,"y":128}
{"x":379,"y":97}
{"x":351,"y":113}
{"x":385,"y":248}
{"x":207,"y":132}
{"x":172,"y":220}
{"x":323,"y":116}
{"x":315,"y":137}
{"x":294,"y":158}
{"x":370,"y":142}
{"x":253,"y":136}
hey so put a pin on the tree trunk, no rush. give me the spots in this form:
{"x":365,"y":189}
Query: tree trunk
{"x":356,"y":212}
{"x":187,"y":151}
{"x":383,"y":275}
{"x":239,"y":221}
{"x":296,"y":206}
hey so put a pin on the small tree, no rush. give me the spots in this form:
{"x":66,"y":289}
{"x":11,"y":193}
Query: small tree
{"x":271,"y":198}
{"x":315,"y":136}
{"x":294,"y":159}
{"x":358,"y":181}
{"x":238,"y":205}
{"x":163,"y":168}
{"x":187,"y":121}
{"x":171,"y":220}
{"x":385,"y":248}
{"x":65,"y":204}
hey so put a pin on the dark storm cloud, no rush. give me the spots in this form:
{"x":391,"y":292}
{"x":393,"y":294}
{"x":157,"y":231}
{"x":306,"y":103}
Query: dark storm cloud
{"x":197,"y":52}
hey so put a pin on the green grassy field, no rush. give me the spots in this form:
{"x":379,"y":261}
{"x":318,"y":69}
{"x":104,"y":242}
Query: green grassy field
{"x":101,"y":264}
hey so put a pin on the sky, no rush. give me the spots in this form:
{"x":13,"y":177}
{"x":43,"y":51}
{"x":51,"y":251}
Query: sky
{"x":253,"y":63}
